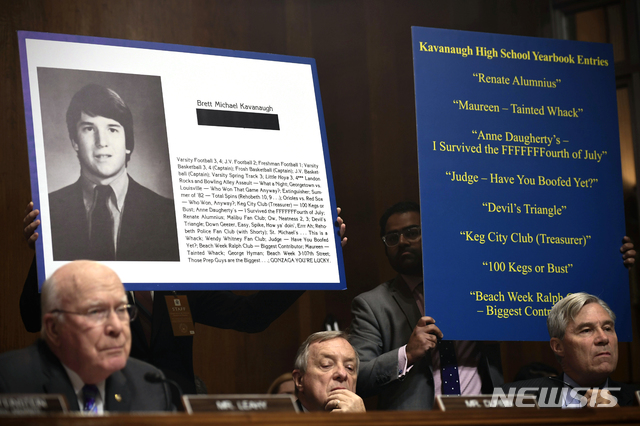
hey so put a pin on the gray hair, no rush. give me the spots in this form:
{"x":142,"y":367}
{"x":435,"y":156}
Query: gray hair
{"x":50,"y":299}
{"x":568,"y":308}
{"x":302,"y":357}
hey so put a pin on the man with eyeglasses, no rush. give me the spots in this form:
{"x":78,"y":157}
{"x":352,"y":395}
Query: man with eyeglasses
{"x":325,"y":374}
{"x":153,"y":339}
{"x":400,"y":347}
{"x":403,"y":358}
{"x":85,"y":345}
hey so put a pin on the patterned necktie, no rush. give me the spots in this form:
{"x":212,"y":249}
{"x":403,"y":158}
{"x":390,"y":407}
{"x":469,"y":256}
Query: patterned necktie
{"x":449,"y":368}
{"x":89,"y":394}
{"x":101,"y":237}
{"x":447,"y":351}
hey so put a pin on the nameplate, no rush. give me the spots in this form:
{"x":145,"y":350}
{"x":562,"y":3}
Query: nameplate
{"x":474,"y":402}
{"x":239,"y":403}
{"x":32,"y":404}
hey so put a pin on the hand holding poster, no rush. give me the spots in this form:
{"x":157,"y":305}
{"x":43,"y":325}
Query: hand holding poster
{"x":520,"y":181}
{"x":184,"y":168}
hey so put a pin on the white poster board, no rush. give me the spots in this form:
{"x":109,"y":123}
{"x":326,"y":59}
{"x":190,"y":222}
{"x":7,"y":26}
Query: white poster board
{"x":234,"y":141}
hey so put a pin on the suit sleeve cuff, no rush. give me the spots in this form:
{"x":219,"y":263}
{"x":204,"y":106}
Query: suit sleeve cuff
{"x":402,"y":362}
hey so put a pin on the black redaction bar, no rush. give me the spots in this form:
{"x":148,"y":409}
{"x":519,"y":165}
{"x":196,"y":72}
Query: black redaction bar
{"x":247,"y":120}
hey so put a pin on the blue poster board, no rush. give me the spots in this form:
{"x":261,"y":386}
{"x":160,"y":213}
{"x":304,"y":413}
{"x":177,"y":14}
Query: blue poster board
{"x":229,"y":183}
{"x":520,"y":181}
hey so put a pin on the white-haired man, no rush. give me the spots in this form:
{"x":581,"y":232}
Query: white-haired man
{"x":325,"y":374}
{"x":84,"y":350}
{"x":584,"y":340}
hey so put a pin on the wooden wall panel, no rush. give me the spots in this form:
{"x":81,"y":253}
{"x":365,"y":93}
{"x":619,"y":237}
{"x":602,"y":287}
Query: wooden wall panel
{"x":363,"y":54}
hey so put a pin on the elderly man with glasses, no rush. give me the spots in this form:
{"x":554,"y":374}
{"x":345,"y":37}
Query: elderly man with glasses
{"x":325,"y":374}
{"x":84,"y":350}
{"x":402,"y":357}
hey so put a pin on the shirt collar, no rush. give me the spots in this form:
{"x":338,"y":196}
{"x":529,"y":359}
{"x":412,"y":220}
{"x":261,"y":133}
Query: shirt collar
{"x":573,"y":383}
{"x":412,"y":281}
{"x":569,"y":400}
{"x":78,"y":384}
{"x":120,"y":186}
{"x":302,"y":407}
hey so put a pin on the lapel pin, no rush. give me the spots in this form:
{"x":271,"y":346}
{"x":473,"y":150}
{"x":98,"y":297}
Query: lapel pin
{"x":118,"y":397}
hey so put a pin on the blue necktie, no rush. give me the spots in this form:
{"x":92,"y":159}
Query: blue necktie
{"x":449,"y":368}
{"x":89,"y":394}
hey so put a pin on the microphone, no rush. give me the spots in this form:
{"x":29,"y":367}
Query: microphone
{"x":559,"y":380}
{"x":155,"y":377}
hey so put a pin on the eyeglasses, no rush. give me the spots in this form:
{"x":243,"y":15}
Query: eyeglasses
{"x":410,"y":234}
{"x":99,"y":315}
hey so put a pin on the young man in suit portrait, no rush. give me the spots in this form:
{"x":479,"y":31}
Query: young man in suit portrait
{"x":105,"y":214}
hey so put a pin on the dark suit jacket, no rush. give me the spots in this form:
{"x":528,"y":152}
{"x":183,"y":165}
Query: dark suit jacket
{"x":174,"y":355}
{"x":383,"y":320}
{"x":147,"y":230}
{"x":36,"y":369}
{"x":549,"y":391}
